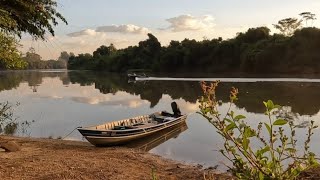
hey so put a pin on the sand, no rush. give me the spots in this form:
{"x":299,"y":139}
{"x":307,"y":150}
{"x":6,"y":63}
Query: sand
{"x":62,"y":159}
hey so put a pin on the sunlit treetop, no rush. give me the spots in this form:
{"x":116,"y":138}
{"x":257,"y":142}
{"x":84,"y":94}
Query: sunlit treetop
{"x":34,"y":17}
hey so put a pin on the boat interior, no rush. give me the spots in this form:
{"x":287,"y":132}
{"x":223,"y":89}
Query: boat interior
{"x":137,"y":122}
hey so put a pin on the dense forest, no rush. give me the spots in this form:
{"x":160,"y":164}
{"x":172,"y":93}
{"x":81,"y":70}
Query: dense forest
{"x":294,"y":50}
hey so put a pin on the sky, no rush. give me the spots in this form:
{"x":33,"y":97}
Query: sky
{"x":92,"y":23}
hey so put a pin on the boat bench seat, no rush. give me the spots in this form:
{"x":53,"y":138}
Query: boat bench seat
{"x":161,"y":118}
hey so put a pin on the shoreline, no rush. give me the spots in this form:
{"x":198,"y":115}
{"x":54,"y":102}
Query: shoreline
{"x":65,"y":159}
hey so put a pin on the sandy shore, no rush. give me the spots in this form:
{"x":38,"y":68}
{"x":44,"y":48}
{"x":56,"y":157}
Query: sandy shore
{"x":60,"y":159}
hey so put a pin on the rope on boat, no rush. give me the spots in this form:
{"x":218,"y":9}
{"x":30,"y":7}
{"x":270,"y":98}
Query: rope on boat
{"x":70,"y":133}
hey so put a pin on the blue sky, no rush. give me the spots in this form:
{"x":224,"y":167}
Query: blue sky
{"x":125,"y":22}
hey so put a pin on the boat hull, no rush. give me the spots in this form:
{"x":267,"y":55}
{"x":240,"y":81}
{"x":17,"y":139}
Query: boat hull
{"x":107,"y":138}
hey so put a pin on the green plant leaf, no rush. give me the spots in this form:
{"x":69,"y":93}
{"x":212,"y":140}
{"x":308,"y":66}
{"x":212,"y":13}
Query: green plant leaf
{"x":245,"y":143}
{"x":265,"y":149}
{"x":265,"y":104}
{"x":261,"y":176}
{"x":292,"y":150}
{"x":268,"y":128}
{"x":277,"y":106}
{"x":230,"y":126}
{"x":229,"y":120}
{"x":270,"y":105}
{"x":238,"y":117}
{"x":248,"y":132}
{"x":280,"y":122}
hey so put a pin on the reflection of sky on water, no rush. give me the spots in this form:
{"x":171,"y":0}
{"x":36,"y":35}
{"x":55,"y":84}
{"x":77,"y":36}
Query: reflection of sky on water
{"x":58,"y":109}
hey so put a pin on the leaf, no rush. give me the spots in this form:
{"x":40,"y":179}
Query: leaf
{"x":260,"y":152}
{"x":229,"y":120}
{"x":261,"y":176}
{"x":231,"y":114}
{"x":277,"y":106}
{"x":268,"y":128}
{"x":245,"y":143}
{"x":238,"y":117}
{"x":280,"y":122}
{"x":248,"y":132}
{"x":270,"y":105}
{"x":230,"y":126}
{"x":265,"y":104}
{"x":265,"y":149}
{"x":292,"y":150}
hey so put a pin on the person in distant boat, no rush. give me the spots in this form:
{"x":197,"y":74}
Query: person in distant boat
{"x":175,"y":109}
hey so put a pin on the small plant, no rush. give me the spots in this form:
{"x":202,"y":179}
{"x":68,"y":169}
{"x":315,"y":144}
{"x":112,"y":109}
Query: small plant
{"x":265,"y":152}
{"x":154,"y":174}
{"x":8,"y":124}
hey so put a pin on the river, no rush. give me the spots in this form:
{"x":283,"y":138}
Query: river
{"x":53,"y":103}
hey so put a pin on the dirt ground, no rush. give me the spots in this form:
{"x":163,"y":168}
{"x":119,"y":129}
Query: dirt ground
{"x":60,"y":159}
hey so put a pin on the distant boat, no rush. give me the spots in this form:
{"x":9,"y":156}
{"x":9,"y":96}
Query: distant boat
{"x":133,"y":76}
{"x":127,"y":130}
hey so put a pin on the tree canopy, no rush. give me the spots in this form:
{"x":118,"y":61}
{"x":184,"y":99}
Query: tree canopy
{"x":24,"y":16}
{"x":254,"y":51}
{"x":33,"y":17}
{"x":9,"y":55}
{"x":287,"y":26}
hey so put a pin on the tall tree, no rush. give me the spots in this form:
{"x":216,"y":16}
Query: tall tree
{"x":9,"y":55}
{"x":308,"y":16}
{"x":34,"y":17}
{"x":28,"y":16}
{"x":287,"y":26}
{"x":64,"y":56}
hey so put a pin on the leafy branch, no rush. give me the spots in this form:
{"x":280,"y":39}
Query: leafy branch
{"x":275,"y":158}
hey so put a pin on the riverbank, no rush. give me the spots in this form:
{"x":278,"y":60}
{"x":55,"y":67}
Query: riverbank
{"x":60,"y":159}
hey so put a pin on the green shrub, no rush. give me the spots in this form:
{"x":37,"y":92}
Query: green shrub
{"x":254,"y":154}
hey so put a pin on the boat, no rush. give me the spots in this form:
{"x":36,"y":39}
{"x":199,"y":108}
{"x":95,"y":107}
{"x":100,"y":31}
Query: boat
{"x":148,"y":143}
{"x":127,"y":130}
{"x":133,"y":76}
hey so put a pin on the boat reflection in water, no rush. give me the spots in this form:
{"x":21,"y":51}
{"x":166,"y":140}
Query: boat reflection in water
{"x":150,"y":142}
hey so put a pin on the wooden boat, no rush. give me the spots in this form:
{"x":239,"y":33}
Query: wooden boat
{"x":154,"y":140}
{"x":126,"y":130}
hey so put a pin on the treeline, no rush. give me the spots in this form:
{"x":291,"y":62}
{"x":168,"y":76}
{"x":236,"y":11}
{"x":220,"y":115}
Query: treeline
{"x":34,"y":61}
{"x":255,"y":51}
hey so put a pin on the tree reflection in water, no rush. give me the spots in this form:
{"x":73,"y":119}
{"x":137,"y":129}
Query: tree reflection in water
{"x":301,"y":97}
{"x":9,"y":125}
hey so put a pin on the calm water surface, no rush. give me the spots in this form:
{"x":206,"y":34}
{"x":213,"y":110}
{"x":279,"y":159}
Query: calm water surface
{"x":60,"y":101}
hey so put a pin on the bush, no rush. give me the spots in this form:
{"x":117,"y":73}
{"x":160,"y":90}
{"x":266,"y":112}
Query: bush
{"x":7,"y":121}
{"x":275,"y":157}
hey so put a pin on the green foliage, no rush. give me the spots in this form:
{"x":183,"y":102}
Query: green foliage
{"x":255,"y":51}
{"x":307,"y":16}
{"x":9,"y":55}
{"x":32,"y":17}
{"x":288,"y":26}
{"x":24,"y":16}
{"x":34,"y":61}
{"x":154,"y":174}
{"x":253,"y":154}
{"x":7,"y":122}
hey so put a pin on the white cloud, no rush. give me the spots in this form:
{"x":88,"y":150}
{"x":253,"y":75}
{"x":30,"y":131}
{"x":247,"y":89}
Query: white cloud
{"x":191,"y":23}
{"x":86,"y":32}
{"x":124,"y":28}
{"x":130,"y":101}
{"x":122,"y":36}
